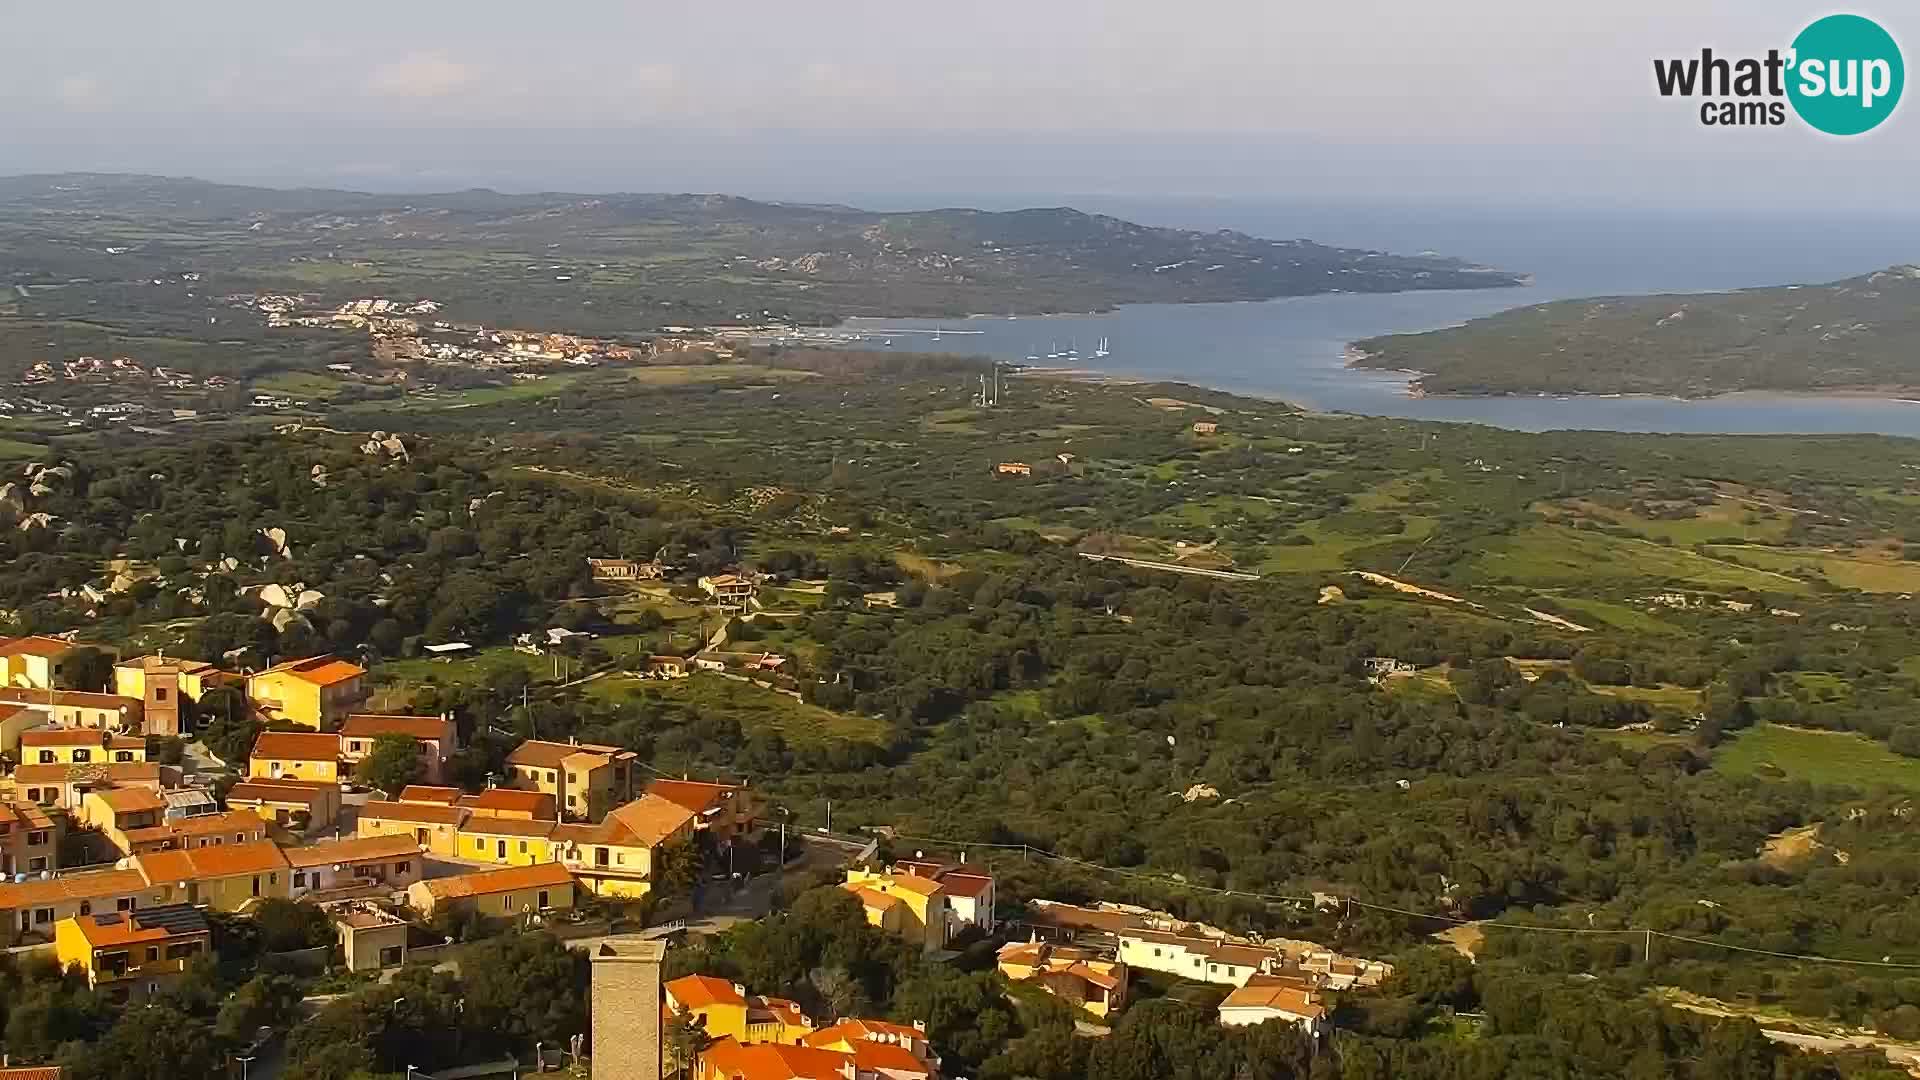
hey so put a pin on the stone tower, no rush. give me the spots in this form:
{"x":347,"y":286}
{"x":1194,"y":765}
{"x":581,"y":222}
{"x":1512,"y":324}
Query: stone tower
{"x":626,"y":1008}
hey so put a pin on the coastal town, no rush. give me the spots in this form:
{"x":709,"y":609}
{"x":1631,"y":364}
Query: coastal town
{"x":115,"y":861}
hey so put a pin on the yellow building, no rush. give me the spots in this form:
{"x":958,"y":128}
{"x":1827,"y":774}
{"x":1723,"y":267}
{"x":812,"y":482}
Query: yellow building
{"x":230,"y":877}
{"x":370,"y":937}
{"x":506,"y":841}
{"x":79,"y":746}
{"x":283,"y":801}
{"x":921,"y":913}
{"x":295,"y":755}
{"x":1078,"y":976}
{"x":314,"y":692}
{"x":118,"y":811}
{"x":16,"y":720}
{"x":32,"y":661}
{"x":383,"y":863}
{"x":434,"y":738}
{"x":434,"y":828}
{"x":163,"y":684}
{"x":618,"y":856}
{"x":65,"y":785}
{"x":133,"y":955}
{"x":29,"y":839}
{"x":728,"y":1012}
{"x":585,"y":780}
{"x":506,"y":893}
{"x":237,"y":826}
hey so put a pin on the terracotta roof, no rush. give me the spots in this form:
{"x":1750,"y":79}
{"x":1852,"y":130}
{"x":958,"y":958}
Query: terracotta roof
{"x":305,"y":792}
{"x":116,"y":772}
{"x":27,"y":814}
{"x":80,"y":737}
{"x":912,"y":883}
{"x":858,"y":1028}
{"x":353,"y":849}
{"x":318,"y":670}
{"x":782,"y":1009}
{"x":538,"y":754}
{"x":374,"y":725}
{"x":692,"y":794}
{"x":774,"y":1061}
{"x":150,"y":662}
{"x":650,"y":819}
{"x":231,"y":821}
{"x":427,"y":793}
{"x":488,"y":825}
{"x":32,"y":1072}
{"x":41,"y":698}
{"x":1073,"y":917}
{"x":35,"y":646}
{"x":130,"y":800}
{"x":702,"y":991}
{"x":296,"y":746}
{"x":1278,"y":995}
{"x":873,"y":898}
{"x":509,"y":800}
{"x":423,"y":813}
{"x":84,"y":885}
{"x":506,"y":879}
{"x":219,"y":861}
{"x":969,"y":885}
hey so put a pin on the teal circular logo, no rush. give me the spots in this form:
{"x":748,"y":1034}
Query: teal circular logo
{"x":1846,"y":75}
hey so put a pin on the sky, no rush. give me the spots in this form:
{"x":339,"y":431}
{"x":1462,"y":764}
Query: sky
{"x":1534,"y":103}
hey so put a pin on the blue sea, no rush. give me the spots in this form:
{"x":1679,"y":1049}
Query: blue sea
{"x":1294,"y":349}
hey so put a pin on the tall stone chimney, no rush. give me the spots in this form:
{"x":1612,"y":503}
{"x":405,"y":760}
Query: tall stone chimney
{"x":626,"y":1008}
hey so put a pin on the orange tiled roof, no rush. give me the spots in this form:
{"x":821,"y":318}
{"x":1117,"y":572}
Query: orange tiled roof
{"x":506,"y":879}
{"x":25,"y":813}
{"x":913,"y":883}
{"x":692,"y":794}
{"x":80,"y":737}
{"x":428,"y":793}
{"x":650,"y":819}
{"x":318,"y":670}
{"x":351,"y":850}
{"x":873,"y":898}
{"x":42,"y":698}
{"x":200,"y":864}
{"x":305,"y":792}
{"x":1282,"y":996}
{"x":84,"y":885}
{"x":774,"y":1061}
{"x":32,"y":1072}
{"x":130,"y":800}
{"x":423,"y":813}
{"x":509,"y":800}
{"x":869,"y":1056}
{"x":374,"y":725}
{"x":856,"y":1028}
{"x":539,"y":754}
{"x":231,"y":821}
{"x":296,"y":746}
{"x":35,"y":645}
{"x":702,"y":991}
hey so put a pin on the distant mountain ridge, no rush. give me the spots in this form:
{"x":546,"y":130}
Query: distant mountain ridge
{"x":802,"y":260}
{"x":1861,"y":334}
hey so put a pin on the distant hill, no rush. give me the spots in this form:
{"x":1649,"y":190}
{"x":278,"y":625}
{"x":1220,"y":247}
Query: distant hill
{"x":1860,"y":334}
{"x":656,"y":258}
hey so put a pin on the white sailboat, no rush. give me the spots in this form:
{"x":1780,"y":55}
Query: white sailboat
{"x":1102,"y":350}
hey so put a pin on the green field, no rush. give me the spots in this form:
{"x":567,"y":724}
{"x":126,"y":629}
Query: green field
{"x":303,"y":384}
{"x":755,"y":708}
{"x":1618,"y":616}
{"x":1678,"y":698}
{"x":15,"y":450}
{"x":1820,"y":757}
{"x":398,"y":677}
{"x":1847,"y":572}
{"x":1725,"y":520}
{"x":1555,"y":555}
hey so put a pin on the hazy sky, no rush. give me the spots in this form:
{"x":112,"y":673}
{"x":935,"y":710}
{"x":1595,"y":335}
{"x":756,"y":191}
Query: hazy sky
{"x":1484,"y":101}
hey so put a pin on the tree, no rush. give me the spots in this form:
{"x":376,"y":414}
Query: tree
{"x":524,"y":988}
{"x":685,"y":1039}
{"x":680,"y":864}
{"x":391,"y":763}
{"x":289,"y":925}
{"x":85,"y":668}
{"x":228,"y":726}
{"x":159,"y":1040}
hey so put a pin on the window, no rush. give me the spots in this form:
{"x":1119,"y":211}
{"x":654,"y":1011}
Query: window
{"x":125,"y":903}
{"x":82,"y":754}
{"x":573,"y":779}
{"x":392,"y":956}
{"x":256,"y":884}
{"x":46,"y":757}
{"x":479,"y":844}
{"x":523,"y":847}
{"x":354,"y":745}
{"x":552,"y":776}
{"x":123,"y":755}
{"x":402,"y":867}
{"x":543,"y":898}
{"x":182,"y":950}
{"x":36,"y":838}
{"x":273,"y":878}
{"x":159,"y":693}
{"x":572,"y":799}
{"x":299,"y":879}
{"x":37,"y":863}
{"x":42,"y":916}
{"x":239,"y":838}
{"x":599,"y":856}
{"x":1156,"y":952}
{"x":86,"y":907}
{"x":153,"y":953}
